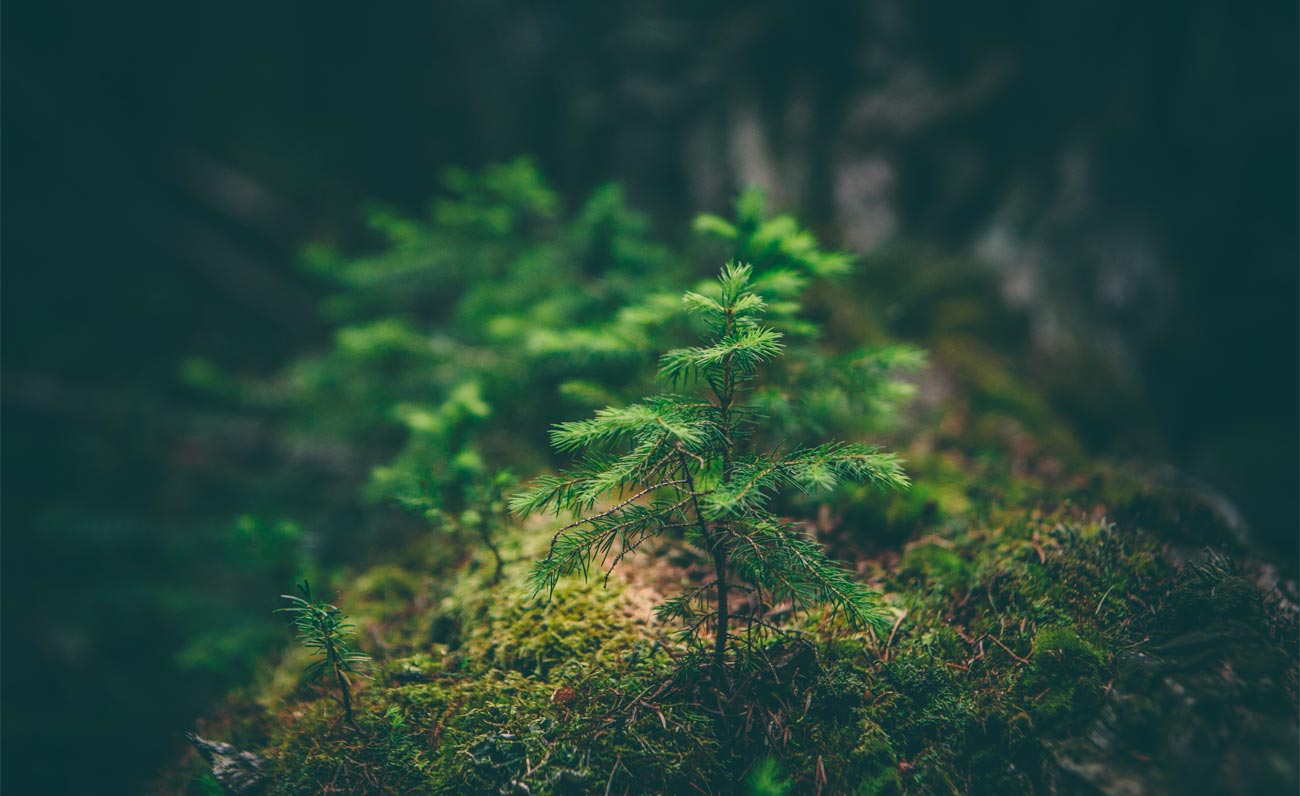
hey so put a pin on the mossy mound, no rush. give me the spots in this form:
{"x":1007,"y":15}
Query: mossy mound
{"x":1034,"y":652}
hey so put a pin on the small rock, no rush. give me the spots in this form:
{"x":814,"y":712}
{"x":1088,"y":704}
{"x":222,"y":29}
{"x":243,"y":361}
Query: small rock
{"x":240,"y":773}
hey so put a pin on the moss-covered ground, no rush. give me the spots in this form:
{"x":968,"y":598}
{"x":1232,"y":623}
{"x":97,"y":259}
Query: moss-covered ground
{"x":1061,"y":627}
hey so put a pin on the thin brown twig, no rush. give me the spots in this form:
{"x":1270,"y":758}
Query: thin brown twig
{"x":884,"y":653}
{"x":1005,"y":647}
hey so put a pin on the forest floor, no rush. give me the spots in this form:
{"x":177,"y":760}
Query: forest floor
{"x":1060,"y":627}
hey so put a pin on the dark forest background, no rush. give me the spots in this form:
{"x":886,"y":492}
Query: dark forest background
{"x":1126,"y":173}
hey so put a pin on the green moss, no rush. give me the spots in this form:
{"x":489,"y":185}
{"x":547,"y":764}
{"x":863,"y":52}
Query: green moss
{"x":1014,"y":631}
{"x":509,"y":628}
{"x":933,"y":565}
{"x":480,"y":735}
{"x":873,"y":762}
{"x":1005,"y":656}
{"x":543,"y":695}
{"x":386,"y":584}
{"x":1062,"y":689}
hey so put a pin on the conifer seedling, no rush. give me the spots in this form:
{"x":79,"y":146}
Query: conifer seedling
{"x":486,"y":512}
{"x":323,"y":629}
{"x":683,"y":464}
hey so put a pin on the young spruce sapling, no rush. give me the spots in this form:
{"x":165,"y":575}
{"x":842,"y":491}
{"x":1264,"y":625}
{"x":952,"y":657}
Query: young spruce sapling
{"x":684,"y":464}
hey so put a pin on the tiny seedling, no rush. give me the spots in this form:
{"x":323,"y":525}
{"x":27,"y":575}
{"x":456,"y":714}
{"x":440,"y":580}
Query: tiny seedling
{"x":323,"y":629}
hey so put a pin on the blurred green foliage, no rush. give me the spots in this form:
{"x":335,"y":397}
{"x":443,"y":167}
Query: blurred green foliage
{"x":467,"y":334}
